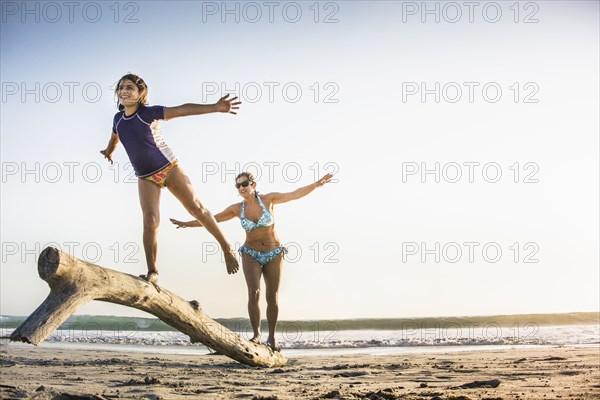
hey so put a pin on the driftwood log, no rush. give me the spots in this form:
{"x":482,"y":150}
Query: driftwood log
{"x":74,"y":282}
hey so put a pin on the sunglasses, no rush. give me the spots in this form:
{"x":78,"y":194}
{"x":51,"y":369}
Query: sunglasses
{"x":242,"y":184}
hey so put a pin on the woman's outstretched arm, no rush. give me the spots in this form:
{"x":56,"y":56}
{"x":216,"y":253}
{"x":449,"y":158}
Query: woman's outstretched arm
{"x":224,"y":215}
{"x":224,"y":105}
{"x":299,"y":193}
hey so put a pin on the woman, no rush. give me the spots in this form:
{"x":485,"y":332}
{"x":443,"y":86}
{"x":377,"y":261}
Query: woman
{"x":262,"y":252}
{"x":137,"y":126}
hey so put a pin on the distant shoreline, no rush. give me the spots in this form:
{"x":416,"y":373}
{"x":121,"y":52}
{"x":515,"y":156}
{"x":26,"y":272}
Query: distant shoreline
{"x":109,"y":322}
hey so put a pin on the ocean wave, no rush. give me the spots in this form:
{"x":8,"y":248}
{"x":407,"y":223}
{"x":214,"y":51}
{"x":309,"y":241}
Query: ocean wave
{"x":556,"y":335}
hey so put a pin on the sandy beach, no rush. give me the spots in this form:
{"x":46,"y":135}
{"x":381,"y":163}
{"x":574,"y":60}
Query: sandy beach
{"x":28,"y":372}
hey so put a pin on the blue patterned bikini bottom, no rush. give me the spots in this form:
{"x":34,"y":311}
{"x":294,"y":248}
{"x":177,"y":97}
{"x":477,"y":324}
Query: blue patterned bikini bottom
{"x":263,"y":257}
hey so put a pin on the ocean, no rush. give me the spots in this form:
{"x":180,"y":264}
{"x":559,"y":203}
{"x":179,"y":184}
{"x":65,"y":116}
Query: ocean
{"x":351,"y":336}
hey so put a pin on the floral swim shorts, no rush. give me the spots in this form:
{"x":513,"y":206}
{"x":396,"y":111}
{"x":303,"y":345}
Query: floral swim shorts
{"x":160,"y":177}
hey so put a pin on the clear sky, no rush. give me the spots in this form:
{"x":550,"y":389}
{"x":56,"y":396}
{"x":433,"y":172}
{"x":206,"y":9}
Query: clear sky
{"x":464,"y":139}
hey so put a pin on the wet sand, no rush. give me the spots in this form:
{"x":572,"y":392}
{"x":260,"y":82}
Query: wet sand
{"x":27,"y":372}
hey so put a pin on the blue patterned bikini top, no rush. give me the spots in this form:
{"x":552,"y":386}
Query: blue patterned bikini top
{"x":265,"y":220}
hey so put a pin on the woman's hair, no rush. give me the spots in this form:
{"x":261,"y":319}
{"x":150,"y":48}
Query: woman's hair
{"x":250,"y":177}
{"x":141,"y":85}
{"x":245,"y":175}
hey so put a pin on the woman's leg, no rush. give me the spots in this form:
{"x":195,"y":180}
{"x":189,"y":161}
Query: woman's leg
{"x":150,"y":200}
{"x":272,"y":275}
{"x":179,"y":184}
{"x":252,"y":272}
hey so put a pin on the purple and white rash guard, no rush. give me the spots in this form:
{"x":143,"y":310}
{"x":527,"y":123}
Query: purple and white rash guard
{"x":140,"y":135}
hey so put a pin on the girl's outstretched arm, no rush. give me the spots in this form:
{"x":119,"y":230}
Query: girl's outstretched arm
{"x":224,"y":105}
{"x":224,"y":215}
{"x":110,"y":148}
{"x":299,"y":193}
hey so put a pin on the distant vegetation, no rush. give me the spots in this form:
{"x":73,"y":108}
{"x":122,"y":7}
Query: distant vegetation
{"x":112,"y":323}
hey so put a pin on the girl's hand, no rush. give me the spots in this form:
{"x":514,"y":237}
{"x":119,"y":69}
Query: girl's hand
{"x":324,"y":180}
{"x":226,"y":106}
{"x":180,"y":224}
{"x":107,"y":156}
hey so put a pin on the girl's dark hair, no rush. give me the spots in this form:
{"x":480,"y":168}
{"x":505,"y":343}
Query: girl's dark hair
{"x":141,"y":85}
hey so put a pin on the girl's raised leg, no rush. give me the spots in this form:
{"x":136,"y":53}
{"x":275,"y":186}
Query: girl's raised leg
{"x":179,"y":184}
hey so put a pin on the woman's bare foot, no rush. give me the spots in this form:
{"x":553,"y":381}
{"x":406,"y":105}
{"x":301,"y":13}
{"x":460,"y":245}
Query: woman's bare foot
{"x":151,"y":277}
{"x":273,"y":345}
{"x":255,"y":339}
{"x":231,"y":262}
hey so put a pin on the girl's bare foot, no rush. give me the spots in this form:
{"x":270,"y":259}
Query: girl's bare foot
{"x":151,"y":277}
{"x":231,"y":262}
{"x":273,"y":345}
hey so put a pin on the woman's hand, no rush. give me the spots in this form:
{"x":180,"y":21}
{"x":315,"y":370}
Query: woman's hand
{"x":324,"y":180}
{"x":180,"y":224}
{"x":107,"y":156}
{"x":227,"y":106}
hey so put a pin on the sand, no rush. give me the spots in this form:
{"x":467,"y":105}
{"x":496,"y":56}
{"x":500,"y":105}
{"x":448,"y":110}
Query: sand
{"x":518,"y":373}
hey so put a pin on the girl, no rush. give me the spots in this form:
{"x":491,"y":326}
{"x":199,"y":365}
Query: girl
{"x":262,"y":253}
{"x":136,"y":125}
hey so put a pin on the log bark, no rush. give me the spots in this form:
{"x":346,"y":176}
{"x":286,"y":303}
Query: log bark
{"x":74,"y":282}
